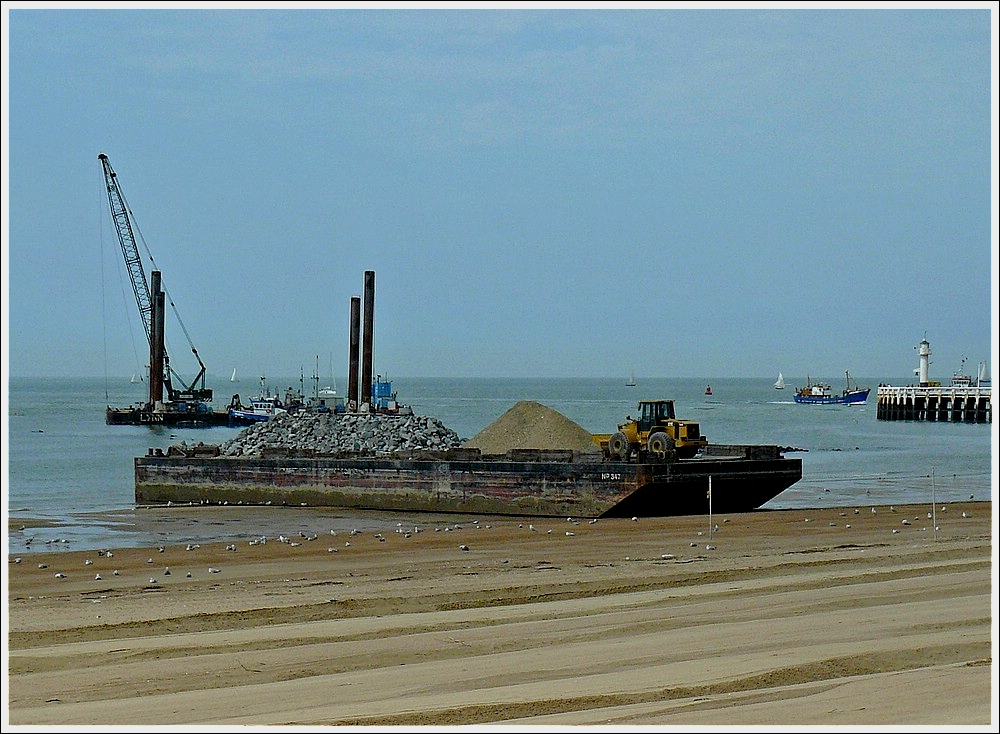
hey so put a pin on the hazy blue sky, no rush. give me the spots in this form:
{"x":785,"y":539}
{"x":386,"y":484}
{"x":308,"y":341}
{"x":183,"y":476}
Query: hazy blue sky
{"x":541,"y":192}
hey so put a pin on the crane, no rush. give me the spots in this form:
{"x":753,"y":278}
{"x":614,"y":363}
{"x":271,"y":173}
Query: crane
{"x":147,"y":303}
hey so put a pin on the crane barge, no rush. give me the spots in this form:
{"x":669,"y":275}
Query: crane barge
{"x":188,"y":405}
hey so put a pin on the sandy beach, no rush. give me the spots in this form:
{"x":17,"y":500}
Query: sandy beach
{"x":844,"y":616}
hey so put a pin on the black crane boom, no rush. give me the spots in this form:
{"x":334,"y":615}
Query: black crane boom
{"x":144,"y":299}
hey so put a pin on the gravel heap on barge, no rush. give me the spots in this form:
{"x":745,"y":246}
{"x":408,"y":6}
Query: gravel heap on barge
{"x":532,"y":461}
{"x":365,"y":434}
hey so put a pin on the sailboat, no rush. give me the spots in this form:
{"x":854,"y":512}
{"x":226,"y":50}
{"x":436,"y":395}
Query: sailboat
{"x":135,"y":378}
{"x":780,"y":382}
{"x":631,"y":381}
{"x":234,"y":378}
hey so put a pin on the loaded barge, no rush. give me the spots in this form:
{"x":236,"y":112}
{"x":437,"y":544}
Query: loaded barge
{"x":522,"y":482}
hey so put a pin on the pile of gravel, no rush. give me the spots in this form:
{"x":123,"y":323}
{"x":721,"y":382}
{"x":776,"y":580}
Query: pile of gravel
{"x":531,"y":425}
{"x":527,"y":425}
{"x":368,"y":434}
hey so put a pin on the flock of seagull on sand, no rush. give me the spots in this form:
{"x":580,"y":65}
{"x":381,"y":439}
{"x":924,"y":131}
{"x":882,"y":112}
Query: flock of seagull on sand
{"x":303,"y":536}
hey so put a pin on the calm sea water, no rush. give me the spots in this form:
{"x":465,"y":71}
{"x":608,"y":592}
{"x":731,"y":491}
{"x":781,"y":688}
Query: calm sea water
{"x":68,"y":467}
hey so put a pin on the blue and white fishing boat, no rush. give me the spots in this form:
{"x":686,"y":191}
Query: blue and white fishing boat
{"x":820,"y":393}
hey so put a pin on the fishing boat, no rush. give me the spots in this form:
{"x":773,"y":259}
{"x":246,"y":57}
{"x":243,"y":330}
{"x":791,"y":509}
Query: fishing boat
{"x":779,"y":384}
{"x":820,"y":393}
{"x":260,"y":409}
{"x":263,"y":406}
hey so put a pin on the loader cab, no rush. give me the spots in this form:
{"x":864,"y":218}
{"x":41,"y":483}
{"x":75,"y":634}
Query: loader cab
{"x":654,"y":412}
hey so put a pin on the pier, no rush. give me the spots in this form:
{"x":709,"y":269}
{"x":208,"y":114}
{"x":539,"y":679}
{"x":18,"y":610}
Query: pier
{"x":965,"y":400}
{"x":944,"y":403}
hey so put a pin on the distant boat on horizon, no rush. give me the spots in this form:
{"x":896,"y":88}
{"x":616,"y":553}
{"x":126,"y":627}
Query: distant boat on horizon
{"x":631,"y":381}
{"x":780,"y":383}
{"x":234,"y":378}
{"x":135,"y":378}
{"x":708,"y":390}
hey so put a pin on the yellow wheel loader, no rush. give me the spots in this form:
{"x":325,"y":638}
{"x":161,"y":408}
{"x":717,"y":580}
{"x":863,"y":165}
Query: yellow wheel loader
{"x":656,"y":435}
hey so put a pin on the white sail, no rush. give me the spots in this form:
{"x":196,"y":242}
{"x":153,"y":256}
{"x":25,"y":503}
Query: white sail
{"x":780,"y":383}
{"x":984,"y":373}
{"x":234,"y":378}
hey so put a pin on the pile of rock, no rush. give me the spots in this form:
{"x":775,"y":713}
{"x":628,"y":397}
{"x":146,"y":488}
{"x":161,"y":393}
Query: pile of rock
{"x":368,"y":434}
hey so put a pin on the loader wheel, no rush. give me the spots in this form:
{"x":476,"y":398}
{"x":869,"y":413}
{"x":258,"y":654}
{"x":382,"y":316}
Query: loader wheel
{"x":619,"y":447}
{"x":661,"y":446}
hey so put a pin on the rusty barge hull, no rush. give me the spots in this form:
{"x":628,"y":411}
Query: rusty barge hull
{"x":532,"y":486}
{"x":171,"y":418}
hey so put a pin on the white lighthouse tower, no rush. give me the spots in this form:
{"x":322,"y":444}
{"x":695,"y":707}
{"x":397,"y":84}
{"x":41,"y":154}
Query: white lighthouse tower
{"x":925,"y":354}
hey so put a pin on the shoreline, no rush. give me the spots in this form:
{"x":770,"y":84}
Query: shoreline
{"x":145,"y":526}
{"x":776,"y":617}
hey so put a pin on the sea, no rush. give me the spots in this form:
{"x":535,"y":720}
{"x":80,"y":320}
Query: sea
{"x":69,"y":475}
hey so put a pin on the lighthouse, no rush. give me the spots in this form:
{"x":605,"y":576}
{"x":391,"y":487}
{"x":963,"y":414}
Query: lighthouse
{"x":925,"y":353}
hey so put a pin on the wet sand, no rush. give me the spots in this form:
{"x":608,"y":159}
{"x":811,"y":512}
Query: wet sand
{"x":795,"y":617}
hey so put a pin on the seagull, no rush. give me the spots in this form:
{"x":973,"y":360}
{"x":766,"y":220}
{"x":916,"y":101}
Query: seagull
{"x":709,"y":547}
{"x":116,"y":572}
{"x":60,"y":575}
{"x":213,"y":570}
{"x":97,"y":577}
{"x":568,"y":533}
{"x":463,"y":547}
{"x":166,"y":571}
{"x":88,"y":562}
{"x":906,"y":522}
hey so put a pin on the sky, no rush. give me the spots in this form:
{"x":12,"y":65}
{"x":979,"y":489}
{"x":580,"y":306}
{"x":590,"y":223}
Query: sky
{"x":542,"y":190}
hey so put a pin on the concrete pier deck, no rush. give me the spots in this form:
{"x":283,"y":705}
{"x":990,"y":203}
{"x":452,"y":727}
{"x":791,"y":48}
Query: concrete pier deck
{"x":942,"y":403}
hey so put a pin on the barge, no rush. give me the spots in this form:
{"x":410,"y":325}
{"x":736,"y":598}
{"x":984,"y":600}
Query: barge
{"x":521,"y":482}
